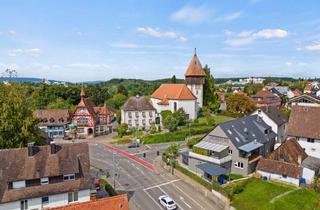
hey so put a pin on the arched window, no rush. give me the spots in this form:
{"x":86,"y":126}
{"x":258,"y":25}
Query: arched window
{"x":45,"y":120}
{"x":61,"y":120}
{"x":174,"y":106}
{"x":51,"y":120}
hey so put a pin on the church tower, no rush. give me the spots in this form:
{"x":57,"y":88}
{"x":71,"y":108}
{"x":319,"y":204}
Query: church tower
{"x":195,"y":78}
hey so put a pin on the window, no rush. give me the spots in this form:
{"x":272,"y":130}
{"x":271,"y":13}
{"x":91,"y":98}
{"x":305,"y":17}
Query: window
{"x":143,"y":114}
{"x":284,"y":176}
{"x":24,"y":204}
{"x":51,"y":120}
{"x":44,"y":180}
{"x":150,"y":114}
{"x":175,"y":106}
{"x":68,"y":177}
{"x":18,"y":184}
{"x":45,"y":200}
{"x":310,"y":140}
{"x":72,"y":197}
{"x":230,"y":151}
{"x":143,"y":122}
{"x":238,"y":165}
{"x":137,"y":114}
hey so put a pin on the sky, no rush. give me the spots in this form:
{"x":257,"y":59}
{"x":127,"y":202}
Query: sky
{"x":151,"y":39}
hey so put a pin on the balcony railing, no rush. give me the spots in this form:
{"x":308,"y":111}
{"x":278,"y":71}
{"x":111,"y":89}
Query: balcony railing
{"x":211,"y":159}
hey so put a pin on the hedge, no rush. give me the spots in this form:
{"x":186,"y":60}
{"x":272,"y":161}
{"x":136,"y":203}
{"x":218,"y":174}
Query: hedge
{"x":193,"y":141}
{"x":163,"y":138}
{"x":108,"y":187}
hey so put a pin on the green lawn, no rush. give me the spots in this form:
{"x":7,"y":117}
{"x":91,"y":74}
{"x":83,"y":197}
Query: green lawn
{"x":256,"y":194}
{"x":217,"y":119}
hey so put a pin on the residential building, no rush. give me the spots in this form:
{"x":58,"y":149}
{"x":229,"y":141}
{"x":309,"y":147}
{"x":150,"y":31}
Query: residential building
{"x":265,"y":98}
{"x":138,"y":112}
{"x":304,"y":125}
{"x":294,"y":93}
{"x":118,"y":202}
{"x":279,"y":90}
{"x":311,"y":86}
{"x":188,"y":96}
{"x":236,"y":145}
{"x":304,"y":100}
{"x":54,"y":122}
{"x":90,"y":120}
{"x":274,"y":118}
{"x":38,"y":177}
{"x":289,"y":163}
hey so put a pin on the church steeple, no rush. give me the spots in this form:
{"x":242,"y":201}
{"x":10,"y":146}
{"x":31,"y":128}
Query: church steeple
{"x":195,"y":67}
{"x":82,"y":93}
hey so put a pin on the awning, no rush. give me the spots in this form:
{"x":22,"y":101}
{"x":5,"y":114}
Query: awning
{"x":211,"y":146}
{"x":212,"y":169}
{"x":250,"y":146}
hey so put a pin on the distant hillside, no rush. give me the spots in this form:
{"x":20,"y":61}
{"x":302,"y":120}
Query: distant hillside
{"x":26,"y":80}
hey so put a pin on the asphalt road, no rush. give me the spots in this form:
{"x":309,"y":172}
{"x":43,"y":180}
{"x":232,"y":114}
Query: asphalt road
{"x":143,"y":185}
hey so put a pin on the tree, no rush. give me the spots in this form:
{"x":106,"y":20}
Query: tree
{"x":122,"y":129}
{"x":117,"y":100}
{"x":174,"y":79}
{"x":17,"y":124}
{"x":181,"y":116}
{"x":252,"y":88}
{"x":210,"y":100}
{"x":209,"y":118}
{"x":240,"y":103}
{"x":173,"y":150}
{"x":122,"y":90}
{"x":60,"y":103}
{"x":170,"y":123}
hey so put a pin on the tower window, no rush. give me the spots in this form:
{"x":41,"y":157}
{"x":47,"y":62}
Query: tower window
{"x":175,"y":106}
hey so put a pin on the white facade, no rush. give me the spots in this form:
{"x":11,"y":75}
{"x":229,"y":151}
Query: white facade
{"x":189,"y":106}
{"x":138,"y":119}
{"x":54,"y":201}
{"x":312,"y":148}
{"x":308,"y":175}
{"x":279,"y":130}
{"x":279,"y":177}
{"x":197,"y":90}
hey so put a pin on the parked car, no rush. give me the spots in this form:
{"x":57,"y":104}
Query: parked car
{"x":134,"y":145}
{"x":167,"y":202}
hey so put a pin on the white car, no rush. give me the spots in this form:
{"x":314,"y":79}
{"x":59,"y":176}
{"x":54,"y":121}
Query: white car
{"x":167,"y":202}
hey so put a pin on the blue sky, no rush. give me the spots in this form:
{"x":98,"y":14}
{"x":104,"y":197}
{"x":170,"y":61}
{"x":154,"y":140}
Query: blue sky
{"x":99,"y":40}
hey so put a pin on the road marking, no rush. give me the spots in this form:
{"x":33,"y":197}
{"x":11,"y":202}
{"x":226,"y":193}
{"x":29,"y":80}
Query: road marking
{"x":182,"y":199}
{"x":153,"y":199}
{"x":179,"y":207}
{"x":162,"y":184}
{"x":188,"y":196}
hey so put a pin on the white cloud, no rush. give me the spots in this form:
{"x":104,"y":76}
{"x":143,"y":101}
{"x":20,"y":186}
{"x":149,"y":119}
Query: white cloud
{"x":35,"y":52}
{"x":155,"y":32}
{"x":228,"y":32}
{"x":288,"y":63}
{"x":313,"y":47}
{"x":12,"y":32}
{"x":272,"y":33}
{"x":230,"y":17}
{"x":191,"y":15}
{"x":247,"y":37}
{"x":79,"y":33}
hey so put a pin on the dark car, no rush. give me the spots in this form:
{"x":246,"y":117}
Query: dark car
{"x":134,"y":145}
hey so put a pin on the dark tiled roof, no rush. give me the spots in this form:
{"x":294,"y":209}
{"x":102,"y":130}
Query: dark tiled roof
{"x":15,"y":165}
{"x":137,"y":103}
{"x":212,"y":169}
{"x":52,"y":116}
{"x":247,"y":129}
{"x":312,"y":99}
{"x":279,"y":167}
{"x":289,"y":152}
{"x":274,"y":114}
{"x":304,"y":122}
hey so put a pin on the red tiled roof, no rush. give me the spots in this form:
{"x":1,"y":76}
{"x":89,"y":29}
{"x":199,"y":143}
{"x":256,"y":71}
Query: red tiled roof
{"x":297,"y":92}
{"x":266,"y":98}
{"x":304,"y":122}
{"x":119,"y":202}
{"x":52,"y":116}
{"x":173,"y":91}
{"x":195,"y":68}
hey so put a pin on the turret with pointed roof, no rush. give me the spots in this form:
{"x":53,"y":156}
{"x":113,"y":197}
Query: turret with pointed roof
{"x":195,"y":77}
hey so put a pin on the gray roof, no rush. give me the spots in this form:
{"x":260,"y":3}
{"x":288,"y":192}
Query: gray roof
{"x":212,"y":169}
{"x":247,"y":129}
{"x":137,"y":103}
{"x":250,"y":146}
{"x":275,"y":115}
{"x":211,"y":146}
{"x":312,"y":163}
{"x":282,"y":89}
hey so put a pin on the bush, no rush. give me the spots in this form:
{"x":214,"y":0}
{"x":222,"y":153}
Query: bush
{"x":193,"y":141}
{"x":108,"y":187}
{"x":124,"y":140}
{"x":230,"y":114}
{"x":231,"y":177}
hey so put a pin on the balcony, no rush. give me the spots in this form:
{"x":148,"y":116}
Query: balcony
{"x":211,"y":159}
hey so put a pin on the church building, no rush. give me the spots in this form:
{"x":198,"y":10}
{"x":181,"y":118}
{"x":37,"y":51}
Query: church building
{"x":188,"y":96}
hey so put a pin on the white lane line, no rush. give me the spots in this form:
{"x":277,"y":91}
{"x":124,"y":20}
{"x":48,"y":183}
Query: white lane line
{"x":162,"y":184}
{"x":164,"y":192}
{"x":153,"y":199}
{"x":182,"y":199}
{"x":188,"y":196}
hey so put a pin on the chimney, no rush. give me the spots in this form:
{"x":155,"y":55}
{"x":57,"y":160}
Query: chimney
{"x":31,"y":149}
{"x":53,"y":149}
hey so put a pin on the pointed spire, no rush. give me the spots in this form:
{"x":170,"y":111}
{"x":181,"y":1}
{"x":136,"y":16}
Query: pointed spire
{"x":195,"y":68}
{"x":195,"y":51}
{"x":82,"y":93}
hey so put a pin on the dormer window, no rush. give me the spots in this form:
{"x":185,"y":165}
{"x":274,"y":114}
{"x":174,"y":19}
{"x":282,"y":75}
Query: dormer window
{"x":68,"y":177}
{"x":44,"y":181}
{"x":51,"y":120}
{"x":18,"y":184}
{"x":61,"y":120}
